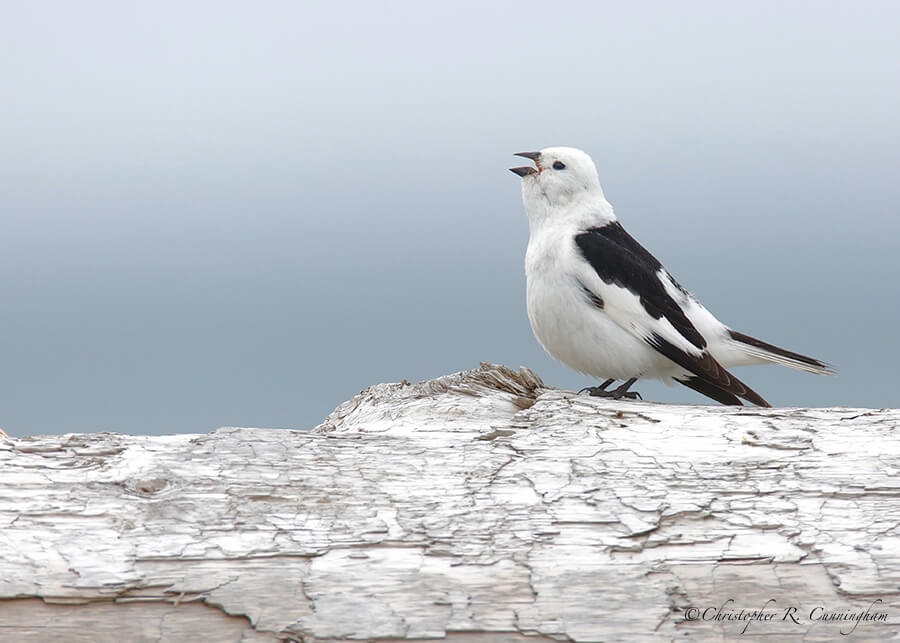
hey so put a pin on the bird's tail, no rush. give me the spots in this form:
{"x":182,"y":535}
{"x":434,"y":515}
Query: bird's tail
{"x":759,"y":349}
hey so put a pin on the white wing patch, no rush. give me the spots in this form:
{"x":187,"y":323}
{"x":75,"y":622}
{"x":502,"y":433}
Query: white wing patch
{"x":625,"y":308}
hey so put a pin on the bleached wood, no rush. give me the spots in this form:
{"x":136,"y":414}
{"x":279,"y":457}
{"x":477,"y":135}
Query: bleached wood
{"x":480,"y":506}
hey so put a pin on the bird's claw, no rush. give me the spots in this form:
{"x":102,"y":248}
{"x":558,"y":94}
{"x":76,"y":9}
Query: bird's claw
{"x":615,"y":394}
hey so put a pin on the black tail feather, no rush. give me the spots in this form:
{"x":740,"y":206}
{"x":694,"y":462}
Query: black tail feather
{"x":782,"y":356}
{"x":707,"y":369}
{"x":710,"y":390}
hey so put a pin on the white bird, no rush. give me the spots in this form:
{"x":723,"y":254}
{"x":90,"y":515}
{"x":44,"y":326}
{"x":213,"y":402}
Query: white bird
{"x":600,"y":303}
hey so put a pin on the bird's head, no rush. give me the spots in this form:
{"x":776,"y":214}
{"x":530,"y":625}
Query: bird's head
{"x":562,"y":175}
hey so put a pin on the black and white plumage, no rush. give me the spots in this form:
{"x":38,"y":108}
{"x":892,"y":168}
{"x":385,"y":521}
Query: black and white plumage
{"x":600,"y":303}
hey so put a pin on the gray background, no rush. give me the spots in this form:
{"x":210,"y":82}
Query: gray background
{"x":233,"y":213}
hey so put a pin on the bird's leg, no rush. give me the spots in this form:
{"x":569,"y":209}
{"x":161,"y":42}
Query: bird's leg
{"x":597,"y":390}
{"x":623,"y":391}
{"x":617,"y":393}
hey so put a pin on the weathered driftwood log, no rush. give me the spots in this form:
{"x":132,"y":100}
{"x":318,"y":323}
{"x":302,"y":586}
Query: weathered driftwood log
{"x":480,"y":506}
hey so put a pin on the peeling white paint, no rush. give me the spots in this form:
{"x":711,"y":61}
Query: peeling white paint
{"x":481,"y":506}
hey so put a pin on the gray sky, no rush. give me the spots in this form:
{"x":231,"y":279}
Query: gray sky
{"x":230,"y":213}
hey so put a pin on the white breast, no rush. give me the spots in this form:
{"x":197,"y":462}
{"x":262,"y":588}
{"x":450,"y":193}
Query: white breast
{"x":572,"y":330}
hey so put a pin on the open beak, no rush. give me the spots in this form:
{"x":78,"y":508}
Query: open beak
{"x":525,"y":171}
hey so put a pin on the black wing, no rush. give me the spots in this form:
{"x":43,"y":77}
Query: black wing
{"x":708,"y":374}
{"x":618,"y":259}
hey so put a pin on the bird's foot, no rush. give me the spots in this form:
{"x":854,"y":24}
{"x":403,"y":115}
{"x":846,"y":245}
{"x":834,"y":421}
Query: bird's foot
{"x":620,"y":393}
{"x":597,"y":391}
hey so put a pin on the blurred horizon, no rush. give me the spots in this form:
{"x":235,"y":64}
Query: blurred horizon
{"x":223,"y":214}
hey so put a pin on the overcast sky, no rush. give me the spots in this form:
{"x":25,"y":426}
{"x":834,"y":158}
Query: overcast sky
{"x":233,"y":213}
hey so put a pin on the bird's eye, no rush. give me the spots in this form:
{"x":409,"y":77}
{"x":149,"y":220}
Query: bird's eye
{"x":559,"y":165}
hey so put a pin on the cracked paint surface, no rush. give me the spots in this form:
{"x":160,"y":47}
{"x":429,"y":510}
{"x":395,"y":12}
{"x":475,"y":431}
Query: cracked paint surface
{"x":480,"y":506}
